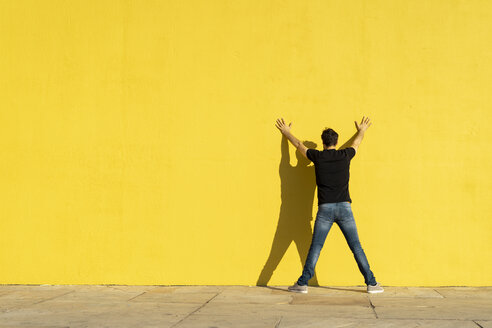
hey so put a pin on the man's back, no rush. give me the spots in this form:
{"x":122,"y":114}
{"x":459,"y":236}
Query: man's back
{"x":332,"y":173}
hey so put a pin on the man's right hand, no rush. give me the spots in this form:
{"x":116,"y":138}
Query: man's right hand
{"x":364,"y":124}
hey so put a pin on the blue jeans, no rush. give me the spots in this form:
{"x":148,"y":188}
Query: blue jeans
{"x":341,"y":213}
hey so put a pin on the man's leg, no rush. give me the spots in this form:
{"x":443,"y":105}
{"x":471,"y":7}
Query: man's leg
{"x":322,"y":225}
{"x":346,"y":223}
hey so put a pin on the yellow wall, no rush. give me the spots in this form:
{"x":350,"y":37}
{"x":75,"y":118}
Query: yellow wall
{"x":138,"y":143}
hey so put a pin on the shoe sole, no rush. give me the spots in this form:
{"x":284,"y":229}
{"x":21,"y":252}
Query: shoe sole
{"x":376,"y":291}
{"x":299,"y":291}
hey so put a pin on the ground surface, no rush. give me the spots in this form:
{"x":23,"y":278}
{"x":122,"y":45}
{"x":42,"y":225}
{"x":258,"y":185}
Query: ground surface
{"x":242,"y":306}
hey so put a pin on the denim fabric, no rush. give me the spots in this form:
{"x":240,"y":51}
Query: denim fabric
{"x":341,"y":213}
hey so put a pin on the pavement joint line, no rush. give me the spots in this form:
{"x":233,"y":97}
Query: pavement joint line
{"x":477,"y":324}
{"x":177,"y":323}
{"x":277,"y":324}
{"x":41,"y":301}
{"x":439,"y":293}
{"x":373,"y":308}
{"x":136,"y":296}
{"x":51,"y":298}
{"x":47,"y":299}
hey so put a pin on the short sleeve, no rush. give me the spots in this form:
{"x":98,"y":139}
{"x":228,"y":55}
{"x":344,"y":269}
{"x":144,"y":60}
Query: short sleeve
{"x":312,"y":154}
{"x":350,"y":151}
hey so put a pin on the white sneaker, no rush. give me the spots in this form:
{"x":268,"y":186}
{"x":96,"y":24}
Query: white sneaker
{"x":298,"y":289}
{"x":375,"y":289}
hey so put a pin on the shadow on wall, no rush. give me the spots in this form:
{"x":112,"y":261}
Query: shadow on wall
{"x":298,"y":185}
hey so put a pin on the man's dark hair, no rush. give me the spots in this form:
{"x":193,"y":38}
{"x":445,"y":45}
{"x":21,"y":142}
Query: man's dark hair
{"x":329,"y":137}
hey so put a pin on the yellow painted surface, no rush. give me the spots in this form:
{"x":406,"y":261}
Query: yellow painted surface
{"x":138,"y":143}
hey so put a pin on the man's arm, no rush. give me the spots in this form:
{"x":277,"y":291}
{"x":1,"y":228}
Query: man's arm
{"x":356,"y":139}
{"x":285,"y":129}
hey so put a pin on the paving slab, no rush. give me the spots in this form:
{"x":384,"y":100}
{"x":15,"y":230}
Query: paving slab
{"x":17,"y":297}
{"x":96,"y":314}
{"x":465,"y":292}
{"x":246,"y":309}
{"x":101,"y":294}
{"x":242,"y":306}
{"x":128,"y":288}
{"x":255,"y":290}
{"x":412,"y":292}
{"x":158,"y":295}
{"x":433,"y":308}
{"x":32,"y":292}
{"x":4,"y":291}
{"x":13,"y":304}
{"x":326,"y":300}
{"x":315,"y":322}
{"x":229,"y":321}
{"x":362,"y":291}
{"x":250,"y":294}
{"x":237,"y":297}
{"x":188,"y":289}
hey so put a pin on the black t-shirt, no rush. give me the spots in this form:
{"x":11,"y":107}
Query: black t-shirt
{"x":332,"y":173}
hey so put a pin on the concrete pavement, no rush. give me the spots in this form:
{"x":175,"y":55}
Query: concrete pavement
{"x":242,"y":306}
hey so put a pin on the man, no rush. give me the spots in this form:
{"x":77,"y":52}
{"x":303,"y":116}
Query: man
{"x":334,"y":203}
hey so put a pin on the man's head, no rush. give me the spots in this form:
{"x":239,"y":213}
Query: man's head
{"x":329,"y":137}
